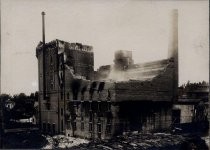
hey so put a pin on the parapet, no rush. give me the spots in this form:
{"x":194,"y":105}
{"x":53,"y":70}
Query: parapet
{"x":74,"y":46}
{"x":62,"y":44}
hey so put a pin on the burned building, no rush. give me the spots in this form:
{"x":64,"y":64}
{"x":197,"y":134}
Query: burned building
{"x":77,"y":101}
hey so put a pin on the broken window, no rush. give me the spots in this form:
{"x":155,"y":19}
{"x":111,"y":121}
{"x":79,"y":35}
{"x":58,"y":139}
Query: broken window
{"x":101,"y":86}
{"x":109,"y":124}
{"x":90,"y":127}
{"x":61,"y":93}
{"x":68,"y":124}
{"x":83,"y":92}
{"x":108,"y":107}
{"x":82,"y":123}
{"x":92,"y":88}
{"x":51,"y":60}
{"x":99,"y":127}
{"x":53,"y":128}
{"x":91,"y":117}
{"x":74,"y":125}
{"x":52,"y":85}
{"x":82,"y":118}
{"x":62,"y":125}
{"x":68,"y":95}
{"x":99,"y":130}
{"x":48,"y":105}
{"x":82,"y":126}
{"x":61,"y":78}
{"x":109,"y":95}
{"x":61,"y":111}
{"x":176,"y":113}
{"x":44,"y":127}
{"x":75,"y":88}
{"x":75,"y":108}
{"x":49,"y":127}
{"x":108,"y":129}
{"x":90,"y":107}
{"x":82,"y":107}
{"x":99,"y":106}
{"x":51,"y":81}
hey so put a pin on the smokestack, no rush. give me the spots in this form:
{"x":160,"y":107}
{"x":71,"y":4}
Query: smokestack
{"x":43,"y":27}
{"x":43,"y":50}
{"x":173,"y":34}
{"x":173,"y":48}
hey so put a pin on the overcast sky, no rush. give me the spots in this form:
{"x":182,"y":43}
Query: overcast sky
{"x":140,"y":26}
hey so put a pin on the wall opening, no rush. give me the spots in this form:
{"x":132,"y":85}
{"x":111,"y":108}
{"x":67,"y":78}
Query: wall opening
{"x":75,"y":88}
{"x":92,"y":88}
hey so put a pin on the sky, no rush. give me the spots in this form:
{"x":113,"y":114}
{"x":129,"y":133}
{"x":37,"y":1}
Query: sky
{"x":139,"y":26}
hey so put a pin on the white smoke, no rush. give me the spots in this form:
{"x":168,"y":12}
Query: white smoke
{"x":117,"y":75}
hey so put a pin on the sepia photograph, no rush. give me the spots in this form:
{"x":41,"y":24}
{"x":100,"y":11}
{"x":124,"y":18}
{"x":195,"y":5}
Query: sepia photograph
{"x":104,"y":75}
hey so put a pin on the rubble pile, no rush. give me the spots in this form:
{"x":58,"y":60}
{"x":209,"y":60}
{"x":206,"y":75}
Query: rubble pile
{"x":143,"y":142}
{"x":61,"y":141}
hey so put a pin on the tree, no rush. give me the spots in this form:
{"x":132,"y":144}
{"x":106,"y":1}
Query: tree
{"x":24,"y":106}
{"x":5,"y":97}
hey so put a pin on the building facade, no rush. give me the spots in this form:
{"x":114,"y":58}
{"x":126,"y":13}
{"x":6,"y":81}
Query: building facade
{"x":77,"y":101}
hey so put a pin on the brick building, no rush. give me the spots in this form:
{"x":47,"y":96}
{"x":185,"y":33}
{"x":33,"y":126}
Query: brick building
{"x":78,"y":101}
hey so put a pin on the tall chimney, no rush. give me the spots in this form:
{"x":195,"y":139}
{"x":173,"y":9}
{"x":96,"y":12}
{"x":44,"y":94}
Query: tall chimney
{"x":173,"y":48}
{"x":173,"y":35}
{"x":43,"y":50}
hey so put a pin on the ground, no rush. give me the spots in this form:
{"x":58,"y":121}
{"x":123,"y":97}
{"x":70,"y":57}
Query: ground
{"x":160,"y":141}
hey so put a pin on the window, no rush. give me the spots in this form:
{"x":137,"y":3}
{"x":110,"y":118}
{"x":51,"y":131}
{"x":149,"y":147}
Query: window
{"x":108,"y":106}
{"x":61,"y":95}
{"x":68,"y":124}
{"x":92,"y":88}
{"x":90,"y":107}
{"x":90,"y":117}
{"x":82,"y":126}
{"x":82,"y":107}
{"x":51,"y":60}
{"x":83,"y":91}
{"x":99,"y":135}
{"x":53,"y":128}
{"x":108,"y":126}
{"x":109,"y":120}
{"x":76,"y":107}
{"x":49,"y":127}
{"x":90,"y":127}
{"x":99,"y":106}
{"x":99,"y":127}
{"x":74,"y":125}
{"x":62,"y":125}
{"x":52,"y":85}
{"x":44,"y":127}
{"x":108,"y":129}
{"x":67,"y":95}
{"x":61,"y":111}
{"x":101,"y":86}
{"x":82,"y":118}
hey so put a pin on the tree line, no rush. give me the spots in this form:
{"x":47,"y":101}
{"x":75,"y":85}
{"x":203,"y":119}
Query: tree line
{"x":23,"y":106}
